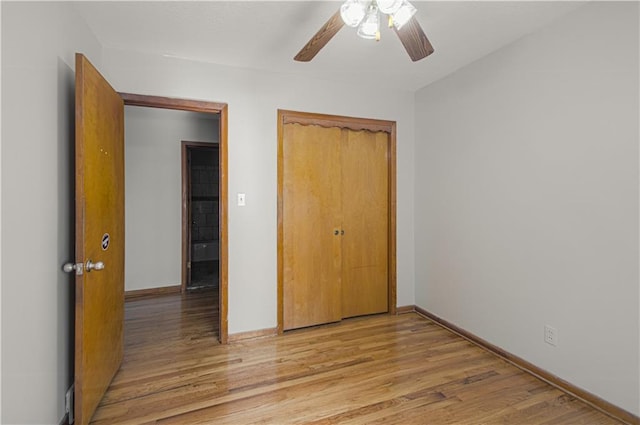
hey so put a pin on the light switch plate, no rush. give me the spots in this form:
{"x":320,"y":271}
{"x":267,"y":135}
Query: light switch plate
{"x":241,"y":200}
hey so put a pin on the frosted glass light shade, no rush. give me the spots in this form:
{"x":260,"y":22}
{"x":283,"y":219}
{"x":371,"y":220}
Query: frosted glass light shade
{"x":403,"y":14}
{"x":352,"y":12}
{"x":389,"y":6}
{"x":370,"y":26}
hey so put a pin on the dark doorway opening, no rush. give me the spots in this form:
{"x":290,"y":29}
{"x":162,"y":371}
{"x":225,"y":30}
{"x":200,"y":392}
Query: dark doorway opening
{"x":203,"y":239}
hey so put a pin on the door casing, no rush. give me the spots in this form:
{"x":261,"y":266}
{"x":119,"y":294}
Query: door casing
{"x":212,"y":108}
{"x":323,"y":120}
{"x":185,"y":146}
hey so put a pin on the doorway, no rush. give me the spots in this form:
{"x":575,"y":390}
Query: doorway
{"x":100,"y":228}
{"x":201,"y":217}
{"x":219,"y":109}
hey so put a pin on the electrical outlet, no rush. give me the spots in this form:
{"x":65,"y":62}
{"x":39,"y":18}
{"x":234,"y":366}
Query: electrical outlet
{"x":550,"y":335}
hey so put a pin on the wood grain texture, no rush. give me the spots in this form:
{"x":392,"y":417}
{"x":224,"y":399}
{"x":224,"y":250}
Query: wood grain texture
{"x":152,"y":292}
{"x":261,"y":333}
{"x":162,"y":102}
{"x":223,"y":204}
{"x":312,"y":213}
{"x":99,"y":309}
{"x":375,"y":370}
{"x":324,"y":120}
{"x":185,"y":250}
{"x":320,"y":39}
{"x":414,"y":40}
{"x":365,"y":221}
{"x":540,"y":373}
{"x":280,"y":226}
{"x":392,"y":220}
{"x":285,"y":118}
{"x":406,"y":309}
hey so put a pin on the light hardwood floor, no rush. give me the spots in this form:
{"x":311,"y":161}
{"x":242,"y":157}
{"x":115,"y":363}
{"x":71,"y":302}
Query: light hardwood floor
{"x":379,"y":369}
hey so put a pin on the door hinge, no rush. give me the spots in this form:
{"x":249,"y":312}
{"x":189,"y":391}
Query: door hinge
{"x":69,"y":403}
{"x":189,"y":264}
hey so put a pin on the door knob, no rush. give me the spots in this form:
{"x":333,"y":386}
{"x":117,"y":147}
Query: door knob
{"x":336,"y":232}
{"x":97,"y":266}
{"x":73,"y":267}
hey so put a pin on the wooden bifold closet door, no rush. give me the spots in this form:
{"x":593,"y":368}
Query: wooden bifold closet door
{"x":335,"y":223}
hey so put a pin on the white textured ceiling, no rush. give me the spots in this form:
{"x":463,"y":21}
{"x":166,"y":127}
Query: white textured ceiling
{"x":266,"y":35}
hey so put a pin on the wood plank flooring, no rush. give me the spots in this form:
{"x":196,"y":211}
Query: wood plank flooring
{"x":372,"y":370}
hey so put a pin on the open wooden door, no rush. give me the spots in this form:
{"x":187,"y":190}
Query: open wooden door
{"x":99,"y":259}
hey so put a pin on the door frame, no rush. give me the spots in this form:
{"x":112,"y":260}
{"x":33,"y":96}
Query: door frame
{"x":343,"y":122}
{"x":222,"y":110}
{"x":186,"y":203}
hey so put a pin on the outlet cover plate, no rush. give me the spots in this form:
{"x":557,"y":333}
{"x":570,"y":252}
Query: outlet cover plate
{"x":550,"y":335}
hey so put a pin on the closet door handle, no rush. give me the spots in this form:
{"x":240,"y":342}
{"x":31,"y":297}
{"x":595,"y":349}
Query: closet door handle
{"x":342,"y":232}
{"x":336,"y":232}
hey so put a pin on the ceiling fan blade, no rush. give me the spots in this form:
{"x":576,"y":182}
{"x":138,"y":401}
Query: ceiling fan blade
{"x":320,"y":39}
{"x":414,"y":40}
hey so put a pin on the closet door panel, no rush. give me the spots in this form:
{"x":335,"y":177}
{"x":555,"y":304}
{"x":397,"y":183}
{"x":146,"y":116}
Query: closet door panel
{"x":311,"y":210}
{"x":365,"y":200}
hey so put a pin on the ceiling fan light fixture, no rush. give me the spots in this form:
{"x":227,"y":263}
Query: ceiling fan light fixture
{"x":389,"y":6}
{"x":352,"y":12}
{"x":370,"y":26}
{"x":366,"y":15}
{"x":403,"y":14}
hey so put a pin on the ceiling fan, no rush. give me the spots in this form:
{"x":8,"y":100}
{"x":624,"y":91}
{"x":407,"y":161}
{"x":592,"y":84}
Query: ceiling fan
{"x":365,"y":15}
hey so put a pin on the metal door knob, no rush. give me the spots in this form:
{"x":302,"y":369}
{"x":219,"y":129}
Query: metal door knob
{"x":69,"y":267}
{"x":97,"y":266}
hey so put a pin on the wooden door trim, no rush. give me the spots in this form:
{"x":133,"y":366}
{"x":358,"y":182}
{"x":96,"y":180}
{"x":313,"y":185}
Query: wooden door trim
{"x":172,"y":103}
{"x":392,"y":221}
{"x":324,"y":120}
{"x":221,"y":109}
{"x":185,"y":145}
{"x":344,"y":122}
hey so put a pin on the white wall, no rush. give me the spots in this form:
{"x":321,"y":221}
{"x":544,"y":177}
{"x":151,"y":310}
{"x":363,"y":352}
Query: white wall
{"x":527,"y":199}
{"x":153,"y":191}
{"x":253,"y":99}
{"x":0,"y":233}
{"x":38,"y":42}
{"x":38,"y":45}
{"x":527,"y":193}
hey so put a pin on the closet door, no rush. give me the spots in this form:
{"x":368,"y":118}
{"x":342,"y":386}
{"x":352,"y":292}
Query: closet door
{"x":311,"y":208}
{"x":365,"y":215}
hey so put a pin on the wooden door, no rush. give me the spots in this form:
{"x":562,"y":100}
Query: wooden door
{"x":99,"y":216}
{"x":311,"y":237}
{"x":365,"y":218}
{"x":187,"y":219}
{"x":336,"y":221}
